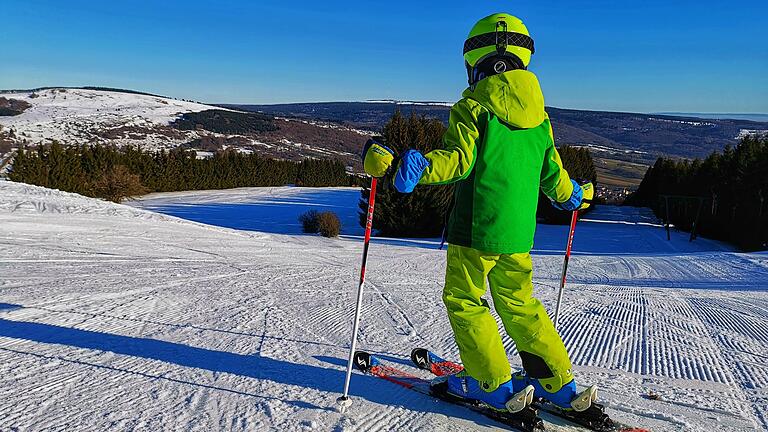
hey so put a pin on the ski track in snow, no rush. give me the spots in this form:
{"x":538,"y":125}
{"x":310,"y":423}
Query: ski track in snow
{"x":114,"y":317}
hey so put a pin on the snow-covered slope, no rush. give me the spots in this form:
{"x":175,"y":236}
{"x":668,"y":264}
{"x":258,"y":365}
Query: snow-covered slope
{"x":86,"y":116}
{"x":82,"y":116}
{"x":116,"y":318}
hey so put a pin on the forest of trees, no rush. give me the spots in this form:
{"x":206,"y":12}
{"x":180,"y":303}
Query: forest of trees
{"x":225,"y":122}
{"x":423,"y":213}
{"x":723,"y":195}
{"x":87,"y":170}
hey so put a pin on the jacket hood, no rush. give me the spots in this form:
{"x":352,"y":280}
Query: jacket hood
{"x":514,"y":96}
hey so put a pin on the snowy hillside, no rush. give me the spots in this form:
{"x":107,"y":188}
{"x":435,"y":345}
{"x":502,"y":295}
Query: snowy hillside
{"x":113,"y":317}
{"x":82,"y":116}
{"x":86,"y":116}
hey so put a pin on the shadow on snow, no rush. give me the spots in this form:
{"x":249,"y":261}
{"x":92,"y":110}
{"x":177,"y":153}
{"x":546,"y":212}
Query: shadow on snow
{"x":278,"y":215}
{"x":7,"y":307}
{"x":607,"y":230}
{"x":253,"y":366}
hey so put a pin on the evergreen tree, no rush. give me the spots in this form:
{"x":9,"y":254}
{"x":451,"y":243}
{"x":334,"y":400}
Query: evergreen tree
{"x":724,"y":195}
{"x":423,"y":212}
{"x":84,"y":169}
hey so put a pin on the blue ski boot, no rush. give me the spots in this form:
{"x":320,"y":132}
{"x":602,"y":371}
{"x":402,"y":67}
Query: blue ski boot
{"x":567,"y":398}
{"x":507,"y":397}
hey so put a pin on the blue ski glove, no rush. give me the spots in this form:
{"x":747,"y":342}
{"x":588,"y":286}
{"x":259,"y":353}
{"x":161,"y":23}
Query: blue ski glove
{"x":574,"y":202}
{"x":412,"y":165}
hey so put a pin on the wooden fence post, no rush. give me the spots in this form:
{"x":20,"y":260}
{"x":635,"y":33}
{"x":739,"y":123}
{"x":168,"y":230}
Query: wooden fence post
{"x":696,"y":221}
{"x":666,"y":208}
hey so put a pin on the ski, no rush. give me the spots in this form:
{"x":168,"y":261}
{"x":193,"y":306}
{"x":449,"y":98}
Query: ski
{"x":593,"y":418}
{"x":526,"y":420}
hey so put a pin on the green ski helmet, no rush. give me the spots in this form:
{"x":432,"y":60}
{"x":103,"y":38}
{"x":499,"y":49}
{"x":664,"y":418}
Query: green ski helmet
{"x":501,"y":37}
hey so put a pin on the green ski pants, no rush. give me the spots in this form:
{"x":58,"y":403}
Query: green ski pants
{"x":526,"y":321}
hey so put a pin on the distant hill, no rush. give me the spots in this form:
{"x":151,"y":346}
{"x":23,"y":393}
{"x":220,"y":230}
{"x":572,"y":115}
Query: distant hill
{"x":733,"y":116}
{"x":118,"y":117}
{"x":623,"y":144}
{"x":631,"y":137}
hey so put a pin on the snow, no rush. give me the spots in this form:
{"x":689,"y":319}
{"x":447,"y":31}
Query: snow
{"x":329,"y":125}
{"x":754,"y":133}
{"x":605,"y":149}
{"x":404,"y":102}
{"x":78,"y":116}
{"x":685,"y":122}
{"x":117,"y":317}
{"x":73,"y":115}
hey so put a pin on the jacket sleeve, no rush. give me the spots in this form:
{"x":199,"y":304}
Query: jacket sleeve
{"x":555,"y":182}
{"x":456,"y":159}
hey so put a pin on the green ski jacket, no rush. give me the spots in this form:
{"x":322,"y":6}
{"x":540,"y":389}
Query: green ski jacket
{"x":500,"y":149}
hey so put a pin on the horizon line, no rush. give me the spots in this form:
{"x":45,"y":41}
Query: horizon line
{"x":382,"y":101}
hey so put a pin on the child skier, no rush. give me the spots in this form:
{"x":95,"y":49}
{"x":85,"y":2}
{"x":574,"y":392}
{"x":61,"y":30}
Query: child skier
{"x":499,"y":150}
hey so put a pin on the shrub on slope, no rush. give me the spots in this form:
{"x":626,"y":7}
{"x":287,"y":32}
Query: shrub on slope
{"x":308,"y":221}
{"x":326,"y":223}
{"x":118,"y":184}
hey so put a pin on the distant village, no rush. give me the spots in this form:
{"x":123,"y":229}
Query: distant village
{"x":613,"y":195}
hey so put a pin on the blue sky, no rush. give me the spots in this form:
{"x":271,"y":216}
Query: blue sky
{"x":691,"y":56}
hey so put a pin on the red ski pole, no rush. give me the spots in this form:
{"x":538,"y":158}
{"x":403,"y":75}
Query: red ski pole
{"x":574,"y":217}
{"x":344,"y":399}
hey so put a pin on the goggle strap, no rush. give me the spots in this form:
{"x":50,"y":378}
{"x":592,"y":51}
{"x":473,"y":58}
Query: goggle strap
{"x":499,"y":39}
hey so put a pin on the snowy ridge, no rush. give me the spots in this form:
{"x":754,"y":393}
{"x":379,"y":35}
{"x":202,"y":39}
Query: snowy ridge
{"x":404,"y":102}
{"x":24,"y":198}
{"x":685,"y":122}
{"x":329,"y":125}
{"x":81,"y":116}
{"x":605,"y":149}
{"x":117,"y":318}
{"x":756,"y":133}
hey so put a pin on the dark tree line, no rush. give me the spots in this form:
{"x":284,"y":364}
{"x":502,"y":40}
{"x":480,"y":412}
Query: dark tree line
{"x":225,"y":122}
{"x":79,"y":169}
{"x":423,"y":213}
{"x":12,"y":107}
{"x":726,"y":193}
